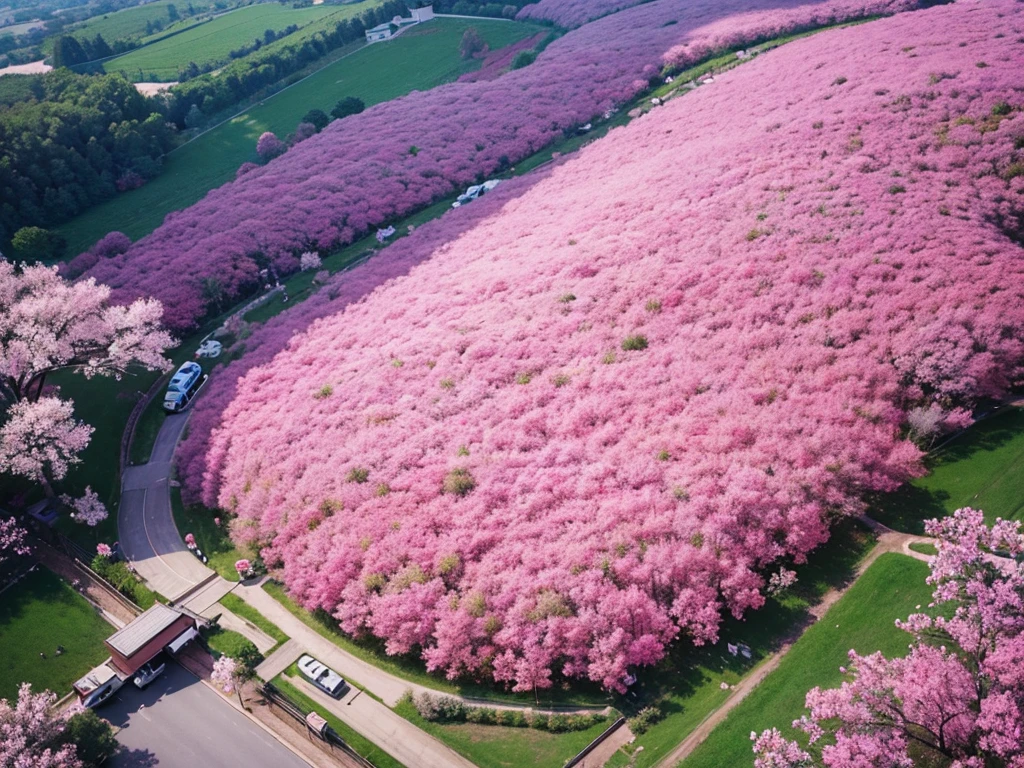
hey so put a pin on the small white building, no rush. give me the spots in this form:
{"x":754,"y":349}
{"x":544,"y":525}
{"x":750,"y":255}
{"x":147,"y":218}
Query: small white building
{"x":380,"y":32}
{"x":426,"y":13}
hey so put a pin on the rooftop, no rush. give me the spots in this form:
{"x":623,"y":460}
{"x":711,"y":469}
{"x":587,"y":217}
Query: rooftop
{"x":136,"y":634}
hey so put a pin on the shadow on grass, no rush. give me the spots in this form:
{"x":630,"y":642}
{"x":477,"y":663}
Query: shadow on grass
{"x":971,"y":453}
{"x":686,"y":667}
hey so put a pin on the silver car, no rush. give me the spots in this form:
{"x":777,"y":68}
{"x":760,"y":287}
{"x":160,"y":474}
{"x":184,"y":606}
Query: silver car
{"x":148,"y":673}
{"x":322,"y":676}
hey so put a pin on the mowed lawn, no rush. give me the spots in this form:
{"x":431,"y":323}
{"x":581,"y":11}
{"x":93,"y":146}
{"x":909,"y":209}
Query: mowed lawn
{"x":36,"y":615}
{"x":213,"y":41}
{"x":419,"y":59}
{"x":983,"y":468}
{"x":863,"y":620}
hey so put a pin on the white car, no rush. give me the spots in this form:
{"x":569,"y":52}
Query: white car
{"x":209,"y":348}
{"x":148,"y":673}
{"x":322,"y":676}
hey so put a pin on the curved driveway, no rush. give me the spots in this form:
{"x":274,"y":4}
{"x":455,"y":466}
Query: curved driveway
{"x":145,"y":524}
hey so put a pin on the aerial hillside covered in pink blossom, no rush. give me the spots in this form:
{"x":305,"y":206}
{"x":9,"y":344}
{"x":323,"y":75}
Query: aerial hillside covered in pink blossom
{"x":588,"y":414}
{"x":396,"y":157}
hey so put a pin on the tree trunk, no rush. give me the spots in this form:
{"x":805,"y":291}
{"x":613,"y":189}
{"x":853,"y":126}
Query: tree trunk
{"x":47,"y":488}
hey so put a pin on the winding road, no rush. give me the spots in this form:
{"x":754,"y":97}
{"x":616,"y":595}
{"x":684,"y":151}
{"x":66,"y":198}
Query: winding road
{"x":145,"y":524}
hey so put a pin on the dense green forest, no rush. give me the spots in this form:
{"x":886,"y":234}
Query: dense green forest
{"x":77,"y":141}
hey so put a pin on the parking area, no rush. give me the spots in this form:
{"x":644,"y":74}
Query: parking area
{"x":178,"y":722}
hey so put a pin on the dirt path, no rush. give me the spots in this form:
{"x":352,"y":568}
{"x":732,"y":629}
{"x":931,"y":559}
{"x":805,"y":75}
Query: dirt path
{"x":888,"y":541}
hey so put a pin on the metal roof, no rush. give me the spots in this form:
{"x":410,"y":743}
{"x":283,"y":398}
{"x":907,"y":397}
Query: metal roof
{"x":133,"y":636}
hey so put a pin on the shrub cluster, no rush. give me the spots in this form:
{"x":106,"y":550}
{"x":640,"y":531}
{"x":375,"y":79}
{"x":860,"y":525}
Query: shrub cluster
{"x":448,"y":709}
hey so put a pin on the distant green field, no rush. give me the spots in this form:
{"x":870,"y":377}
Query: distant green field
{"x":131,"y":22}
{"x":983,"y":468}
{"x":211,"y":43}
{"x":863,"y":619}
{"x":419,"y":59}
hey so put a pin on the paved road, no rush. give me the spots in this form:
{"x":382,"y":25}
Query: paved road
{"x":145,"y":524}
{"x":178,"y":722}
{"x":392,"y":733}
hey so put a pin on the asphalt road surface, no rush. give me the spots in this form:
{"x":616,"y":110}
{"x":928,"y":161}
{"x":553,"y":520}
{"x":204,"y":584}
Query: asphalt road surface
{"x":145,"y":523}
{"x":177,"y":722}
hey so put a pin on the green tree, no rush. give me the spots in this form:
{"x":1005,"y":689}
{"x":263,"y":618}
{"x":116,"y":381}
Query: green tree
{"x":172,"y":13}
{"x":471,"y":44}
{"x":37,"y":244}
{"x":317,"y":117}
{"x":92,"y":736}
{"x":100,"y":49}
{"x":67,"y":52}
{"x":350,"y":105}
{"x":194,"y":118}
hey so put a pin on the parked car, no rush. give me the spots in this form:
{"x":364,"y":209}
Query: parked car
{"x":322,"y":676}
{"x":183,"y":386}
{"x":148,"y":673}
{"x":209,"y":348}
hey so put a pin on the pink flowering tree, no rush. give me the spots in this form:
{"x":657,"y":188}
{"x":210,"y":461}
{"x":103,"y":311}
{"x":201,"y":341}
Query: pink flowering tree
{"x":47,"y":325}
{"x":88,"y":509}
{"x":229,"y":675}
{"x":190,"y":540}
{"x":41,"y":440}
{"x":104,"y":550}
{"x":310,"y":260}
{"x":12,"y":539}
{"x":958,"y":697}
{"x":31,"y":733}
{"x":268,"y":146}
{"x":244,"y":568}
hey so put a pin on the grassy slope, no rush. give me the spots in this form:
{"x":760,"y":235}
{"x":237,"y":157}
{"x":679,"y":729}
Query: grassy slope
{"x":38,"y":614}
{"x":363,"y":746}
{"x":210,"y":538}
{"x":497,"y":746}
{"x":213,"y":41}
{"x":375,"y":74}
{"x":982,"y":469}
{"x":687,"y":685}
{"x":863,"y":620}
{"x":242,"y":609}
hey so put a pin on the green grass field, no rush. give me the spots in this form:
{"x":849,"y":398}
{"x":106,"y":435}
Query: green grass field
{"x":375,"y":74}
{"x":862,"y":619}
{"x":38,"y":614}
{"x":686,"y":686}
{"x":498,"y":746}
{"x":982,"y":469}
{"x":131,"y":22}
{"x":210,"y":43}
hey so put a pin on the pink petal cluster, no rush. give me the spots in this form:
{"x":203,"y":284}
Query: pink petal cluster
{"x":12,"y":539}
{"x":546,"y":434}
{"x":28,"y":731}
{"x":358,"y":173}
{"x":88,"y":508}
{"x":42,"y":437}
{"x":962,"y":707}
{"x":244,"y":567}
{"x":104,"y":550}
{"x":224,"y":674}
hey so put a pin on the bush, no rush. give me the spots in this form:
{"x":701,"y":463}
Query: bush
{"x":350,"y":105}
{"x":634,"y":343}
{"x":442,"y":709}
{"x":524,"y":59}
{"x":459,"y":482}
{"x":644,"y":719}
